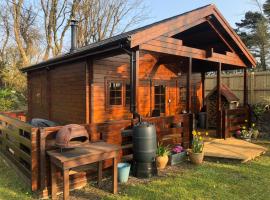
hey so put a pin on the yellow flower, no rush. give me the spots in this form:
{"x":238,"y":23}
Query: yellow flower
{"x":199,"y":133}
{"x":194,"y":133}
{"x":243,"y":127}
{"x":253,"y":125}
{"x":200,"y":138}
{"x":206,"y":133}
{"x":246,"y":120}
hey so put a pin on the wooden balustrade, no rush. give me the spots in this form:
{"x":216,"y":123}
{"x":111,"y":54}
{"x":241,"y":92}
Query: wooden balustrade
{"x":26,"y":146}
{"x":233,"y":119}
{"x":18,"y":143}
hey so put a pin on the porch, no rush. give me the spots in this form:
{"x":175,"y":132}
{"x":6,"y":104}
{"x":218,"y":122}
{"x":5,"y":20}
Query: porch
{"x":232,"y":149}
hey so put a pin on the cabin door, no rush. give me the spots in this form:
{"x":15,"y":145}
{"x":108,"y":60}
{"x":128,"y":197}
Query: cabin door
{"x":164,"y":98}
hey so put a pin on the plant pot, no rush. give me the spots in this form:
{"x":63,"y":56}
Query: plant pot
{"x":177,"y":158}
{"x":161,"y":161}
{"x":196,"y":158}
{"x":123,"y":172}
{"x":248,"y":139}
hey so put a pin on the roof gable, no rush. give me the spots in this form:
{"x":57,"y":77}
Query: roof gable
{"x":186,"y":21}
{"x":226,"y":92}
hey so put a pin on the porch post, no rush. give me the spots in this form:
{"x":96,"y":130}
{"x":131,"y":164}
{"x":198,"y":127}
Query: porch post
{"x":245,"y":99}
{"x":219,"y":115}
{"x":188,"y":93}
{"x":203,"y":88}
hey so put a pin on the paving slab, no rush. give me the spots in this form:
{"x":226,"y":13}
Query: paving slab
{"x":232,"y":148}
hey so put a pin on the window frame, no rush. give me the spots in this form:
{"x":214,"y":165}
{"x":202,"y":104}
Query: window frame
{"x":124,"y":82}
{"x":157,"y":83}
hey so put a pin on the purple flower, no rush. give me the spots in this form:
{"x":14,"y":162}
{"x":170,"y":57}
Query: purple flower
{"x":178,"y":149}
{"x":238,"y":132}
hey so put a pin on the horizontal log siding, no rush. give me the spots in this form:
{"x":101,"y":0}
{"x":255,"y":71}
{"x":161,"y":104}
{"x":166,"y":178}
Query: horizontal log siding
{"x":37,"y":99}
{"x":68,"y":93}
{"x":115,"y":67}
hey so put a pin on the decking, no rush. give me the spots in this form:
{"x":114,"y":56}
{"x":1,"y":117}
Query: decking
{"x":232,"y":148}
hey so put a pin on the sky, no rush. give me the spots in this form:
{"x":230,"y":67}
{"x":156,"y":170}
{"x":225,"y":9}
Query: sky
{"x":233,"y":10}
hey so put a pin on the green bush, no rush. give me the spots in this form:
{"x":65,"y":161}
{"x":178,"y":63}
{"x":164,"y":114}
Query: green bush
{"x":11,"y":100}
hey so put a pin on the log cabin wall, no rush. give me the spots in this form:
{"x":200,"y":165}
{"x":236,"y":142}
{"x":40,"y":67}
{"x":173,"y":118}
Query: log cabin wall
{"x":117,"y":69}
{"x":106,"y":70}
{"x":58,"y":94}
{"x":37,"y":95}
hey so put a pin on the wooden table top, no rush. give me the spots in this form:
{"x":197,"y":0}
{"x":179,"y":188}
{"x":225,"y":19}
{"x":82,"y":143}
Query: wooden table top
{"x":90,"y":149}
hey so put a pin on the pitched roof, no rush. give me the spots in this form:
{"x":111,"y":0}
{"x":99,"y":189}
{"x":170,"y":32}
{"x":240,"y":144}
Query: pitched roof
{"x":128,"y":36}
{"x":226,"y":92}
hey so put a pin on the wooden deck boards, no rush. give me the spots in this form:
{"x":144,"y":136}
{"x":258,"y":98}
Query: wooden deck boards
{"x":233,"y":149}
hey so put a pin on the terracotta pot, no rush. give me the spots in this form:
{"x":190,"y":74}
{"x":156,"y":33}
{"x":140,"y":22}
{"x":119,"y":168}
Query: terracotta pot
{"x":161,"y":161}
{"x":196,"y":158}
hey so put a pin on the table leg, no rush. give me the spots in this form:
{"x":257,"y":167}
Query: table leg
{"x":99,"y":173}
{"x":114,"y":184}
{"x":53,"y":180}
{"x":66,"y":184}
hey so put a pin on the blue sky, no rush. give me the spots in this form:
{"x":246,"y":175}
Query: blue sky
{"x":233,"y":10}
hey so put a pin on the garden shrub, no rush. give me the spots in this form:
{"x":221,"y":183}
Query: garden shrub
{"x":11,"y":100}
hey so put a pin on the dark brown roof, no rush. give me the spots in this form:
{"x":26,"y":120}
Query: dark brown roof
{"x":118,"y":41}
{"x":226,"y":92}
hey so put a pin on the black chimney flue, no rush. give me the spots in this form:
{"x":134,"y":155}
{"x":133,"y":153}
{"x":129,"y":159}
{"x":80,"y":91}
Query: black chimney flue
{"x":73,"y":25}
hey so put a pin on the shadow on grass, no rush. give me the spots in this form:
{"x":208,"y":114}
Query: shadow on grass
{"x":11,"y":186}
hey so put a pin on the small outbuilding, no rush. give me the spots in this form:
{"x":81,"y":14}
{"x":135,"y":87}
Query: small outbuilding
{"x":228,"y":101}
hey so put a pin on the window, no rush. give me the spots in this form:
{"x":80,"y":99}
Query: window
{"x":127,"y":94}
{"x":160,"y":103}
{"x":115,"y":93}
{"x":183,"y":94}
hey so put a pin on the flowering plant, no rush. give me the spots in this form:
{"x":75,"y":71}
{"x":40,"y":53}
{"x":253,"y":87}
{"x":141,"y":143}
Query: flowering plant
{"x":177,"y":149}
{"x":248,"y":132}
{"x":197,"y":142}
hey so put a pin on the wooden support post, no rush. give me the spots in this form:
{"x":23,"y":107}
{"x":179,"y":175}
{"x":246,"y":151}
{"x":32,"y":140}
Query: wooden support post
{"x":66,"y":184}
{"x":189,"y":73}
{"x":203,"y":88}
{"x":219,"y":114}
{"x":245,"y":99}
{"x":99,"y":173}
{"x":53,"y":180}
{"x":87,"y":94}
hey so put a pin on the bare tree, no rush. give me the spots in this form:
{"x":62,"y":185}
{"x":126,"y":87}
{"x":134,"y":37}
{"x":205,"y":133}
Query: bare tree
{"x":100,"y":19}
{"x":57,"y":16}
{"x":26,"y":33}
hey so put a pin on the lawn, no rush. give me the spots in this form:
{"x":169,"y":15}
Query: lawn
{"x":11,"y":188}
{"x":212,"y":180}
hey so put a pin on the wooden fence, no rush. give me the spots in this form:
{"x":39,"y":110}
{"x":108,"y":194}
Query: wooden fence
{"x":258,"y":86}
{"x":26,"y":146}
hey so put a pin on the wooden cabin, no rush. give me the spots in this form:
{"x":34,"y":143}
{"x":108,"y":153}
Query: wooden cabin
{"x":154,"y":71}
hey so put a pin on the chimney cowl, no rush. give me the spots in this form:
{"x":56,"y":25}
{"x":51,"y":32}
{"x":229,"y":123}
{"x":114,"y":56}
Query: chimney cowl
{"x":73,"y":25}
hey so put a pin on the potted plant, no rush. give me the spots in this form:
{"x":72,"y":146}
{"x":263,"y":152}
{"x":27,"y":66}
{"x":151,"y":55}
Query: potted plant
{"x":162,"y":156}
{"x":178,"y":155}
{"x":196,"y":154}
{"x":246,"y":134}
{"x":255,"y":131}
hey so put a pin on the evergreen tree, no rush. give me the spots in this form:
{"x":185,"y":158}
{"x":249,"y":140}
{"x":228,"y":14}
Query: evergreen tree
{"x":254,"y":31}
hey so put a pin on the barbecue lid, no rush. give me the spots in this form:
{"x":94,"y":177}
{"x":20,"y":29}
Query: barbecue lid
{"x":71,"y":136}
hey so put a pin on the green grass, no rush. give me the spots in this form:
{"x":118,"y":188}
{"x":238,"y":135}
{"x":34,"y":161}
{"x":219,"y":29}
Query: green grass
{"x":210,"y":181}
{"x":11,"y":186}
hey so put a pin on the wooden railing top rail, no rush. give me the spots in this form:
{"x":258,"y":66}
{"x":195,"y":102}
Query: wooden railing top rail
{"x":16,"y":122}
